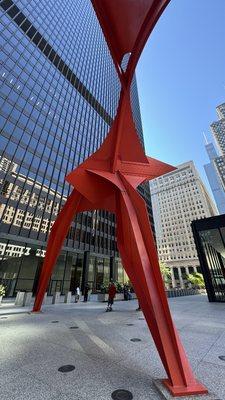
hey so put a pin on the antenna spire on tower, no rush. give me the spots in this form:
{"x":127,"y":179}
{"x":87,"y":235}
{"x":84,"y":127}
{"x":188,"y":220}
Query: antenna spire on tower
{"x":206,"y":140}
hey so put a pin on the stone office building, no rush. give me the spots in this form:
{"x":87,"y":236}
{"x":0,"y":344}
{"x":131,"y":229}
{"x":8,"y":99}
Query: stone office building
{"x":178,"y":198}
{"x":59,"y":94}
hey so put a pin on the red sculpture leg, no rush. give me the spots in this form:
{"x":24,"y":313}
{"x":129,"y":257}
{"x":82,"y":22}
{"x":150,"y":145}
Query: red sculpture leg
{"x":139,"y":256}
{"x":55,"y":242}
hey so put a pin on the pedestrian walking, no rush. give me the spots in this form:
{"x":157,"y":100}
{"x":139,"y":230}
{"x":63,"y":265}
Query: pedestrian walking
{"x":86,"y":289}
{"x":139,"y":307}
{"x":77,"y":294}
{"x":129,"y":294}
{"x":112,"y":293}
{"x":125,"y":292}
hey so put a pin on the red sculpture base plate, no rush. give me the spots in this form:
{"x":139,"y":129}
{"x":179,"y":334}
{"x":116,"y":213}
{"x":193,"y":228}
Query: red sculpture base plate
{"x":178,"y":391}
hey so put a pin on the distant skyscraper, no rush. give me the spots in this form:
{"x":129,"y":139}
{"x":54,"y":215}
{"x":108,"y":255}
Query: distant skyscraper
{"x":214,"y":178}
{"x":215,"y":170}
{"x":59,"y":94}
{"x":218,"y":129}
{"x":178,"y":198}
{"x":221,"y":111}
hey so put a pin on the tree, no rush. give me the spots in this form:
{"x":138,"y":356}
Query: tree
{"x":196,"y":280}
{"x":165,"y":272}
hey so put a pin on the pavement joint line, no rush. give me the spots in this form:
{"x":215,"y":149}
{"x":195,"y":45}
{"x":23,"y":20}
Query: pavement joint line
{"x":13,"y":313}
{"x":218,"y":338}
{"x":214,"y":364}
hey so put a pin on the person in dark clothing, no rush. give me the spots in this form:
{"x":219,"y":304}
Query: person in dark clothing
{"x":129,"y":295}
{"x":125,"y":292}
{"x":139,"y":307}
{"x":112,"y":293}
{"x":86,"y":289}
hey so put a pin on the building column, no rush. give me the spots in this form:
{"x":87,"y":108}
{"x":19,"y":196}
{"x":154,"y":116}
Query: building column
{"x":115,"y":270}
{"x":180,"y":278}
{"x":173,"y":280}
{"x":112,"y":275}
{"x":85,"y":270}
{"x":37,"y":277}
{"x":187,"y":270}
{"x":195,"y":269}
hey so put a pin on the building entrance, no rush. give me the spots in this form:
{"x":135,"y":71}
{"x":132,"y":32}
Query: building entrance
{"x":76,"y":272}
{"x":209,"y":234}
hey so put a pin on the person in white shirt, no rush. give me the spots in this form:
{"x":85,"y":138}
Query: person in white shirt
{"x":77,"y":294}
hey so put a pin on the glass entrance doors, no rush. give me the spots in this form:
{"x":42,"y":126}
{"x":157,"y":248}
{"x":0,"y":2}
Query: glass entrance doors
{"x":98,"y":273}
{"x":209,"y":234}
{"x":76,"y":272}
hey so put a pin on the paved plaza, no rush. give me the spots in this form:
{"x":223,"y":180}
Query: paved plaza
{"x":98,"y":344}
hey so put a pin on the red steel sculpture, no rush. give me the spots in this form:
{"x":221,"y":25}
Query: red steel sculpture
{"x":108,"y":180}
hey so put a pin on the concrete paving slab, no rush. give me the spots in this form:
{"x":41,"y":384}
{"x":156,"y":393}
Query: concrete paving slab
{"x":32,"y":348}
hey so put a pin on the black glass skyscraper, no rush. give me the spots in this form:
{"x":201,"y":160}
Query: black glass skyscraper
{"x":59,"y":94}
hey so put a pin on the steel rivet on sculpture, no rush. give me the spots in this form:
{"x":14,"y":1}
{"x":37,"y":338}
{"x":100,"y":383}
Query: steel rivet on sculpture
{"x":108,"y":180}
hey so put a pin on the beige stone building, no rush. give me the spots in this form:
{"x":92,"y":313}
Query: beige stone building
{"x":178,"y":198}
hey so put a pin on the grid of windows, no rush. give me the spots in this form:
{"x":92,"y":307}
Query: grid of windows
{"x":218,"y":131}
{"x":48,"y":127}
{"x":178,"y":198}
{"x":221,"y":110}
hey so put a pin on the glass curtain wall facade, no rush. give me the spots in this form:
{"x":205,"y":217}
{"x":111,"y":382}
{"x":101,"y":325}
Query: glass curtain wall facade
{"x":209,"y":235}
{"x":214,"y":178}
{"x":59,"y":94}
{"x":218,"y":131}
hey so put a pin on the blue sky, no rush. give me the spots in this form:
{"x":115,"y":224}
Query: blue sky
{"x":181,"y":80}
